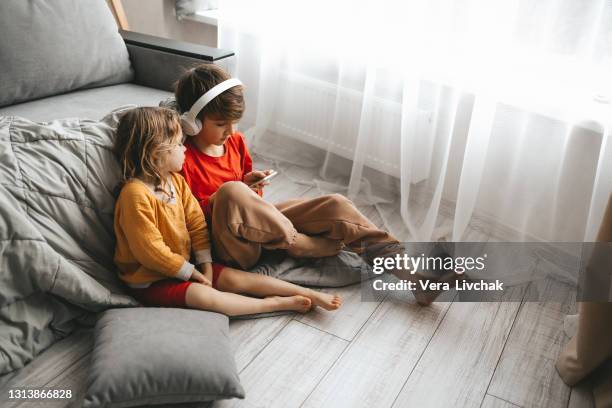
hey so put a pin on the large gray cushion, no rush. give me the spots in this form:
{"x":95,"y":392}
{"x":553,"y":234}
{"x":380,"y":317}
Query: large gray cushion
{"x":150,"y":356}
{"x":49,"y":47}
{"x":56,"y":231}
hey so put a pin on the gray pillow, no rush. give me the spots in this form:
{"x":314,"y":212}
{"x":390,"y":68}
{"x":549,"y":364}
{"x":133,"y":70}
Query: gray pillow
{"x":151,"y":356}
{"x":49,"y":47}
{"x":344,"y":269}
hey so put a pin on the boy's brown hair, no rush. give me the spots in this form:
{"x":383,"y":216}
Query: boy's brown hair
{"x":141,"y":134}
{"x":229,"y":105}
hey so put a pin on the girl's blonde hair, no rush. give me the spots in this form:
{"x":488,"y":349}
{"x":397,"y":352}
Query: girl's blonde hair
{"x":141,"y":134}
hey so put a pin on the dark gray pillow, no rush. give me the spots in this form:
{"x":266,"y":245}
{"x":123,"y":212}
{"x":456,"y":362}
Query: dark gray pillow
{"x":344,"y":269}
{"x":49,"y":47}
{"x":151,"y":356}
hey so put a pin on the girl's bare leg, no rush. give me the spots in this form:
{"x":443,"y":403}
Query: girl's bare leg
{"x":234,"y":280}
{"x":204,"y":297}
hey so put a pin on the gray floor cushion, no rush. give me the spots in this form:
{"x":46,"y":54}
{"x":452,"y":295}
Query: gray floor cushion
{"x":158,"y":356}
{"x":344,"y":269}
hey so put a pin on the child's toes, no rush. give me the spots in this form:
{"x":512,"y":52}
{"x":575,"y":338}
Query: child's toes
{"x":305,"y":304}
{"x":336,"y":301}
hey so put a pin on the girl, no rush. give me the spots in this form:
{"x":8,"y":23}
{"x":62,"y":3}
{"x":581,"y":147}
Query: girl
{"x":159,"y":224}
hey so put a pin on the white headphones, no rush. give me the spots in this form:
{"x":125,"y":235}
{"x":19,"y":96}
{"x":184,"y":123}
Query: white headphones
{"x":190,"y":123}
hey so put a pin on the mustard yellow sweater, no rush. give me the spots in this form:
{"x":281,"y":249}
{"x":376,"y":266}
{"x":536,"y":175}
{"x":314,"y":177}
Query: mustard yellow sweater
{"x":155,"y":239}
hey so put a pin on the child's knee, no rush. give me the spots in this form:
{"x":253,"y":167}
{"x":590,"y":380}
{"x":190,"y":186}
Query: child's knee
{"x":232,"y":190}
{"x":338,"y":206}
{"x":199,"y":296}
{"x":229,"y":279}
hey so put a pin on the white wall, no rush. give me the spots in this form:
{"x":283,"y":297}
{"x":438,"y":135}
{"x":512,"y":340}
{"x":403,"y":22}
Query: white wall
{"x":156,"y":17}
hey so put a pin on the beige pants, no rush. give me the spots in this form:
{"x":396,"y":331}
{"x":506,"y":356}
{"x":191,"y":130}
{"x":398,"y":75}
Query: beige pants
{"x":243,"y":223}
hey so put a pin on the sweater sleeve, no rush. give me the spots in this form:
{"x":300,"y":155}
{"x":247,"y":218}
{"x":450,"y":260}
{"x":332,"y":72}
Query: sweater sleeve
{"x":196,"y":223}
{"x":137,"y":222}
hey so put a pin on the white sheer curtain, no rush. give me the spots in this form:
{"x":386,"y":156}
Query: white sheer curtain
{"x":453,"y":115}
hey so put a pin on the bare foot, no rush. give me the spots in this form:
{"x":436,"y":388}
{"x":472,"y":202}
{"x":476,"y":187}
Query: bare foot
{"x":325,"y":300}
{"x":296,"y":303}
{"x":314,"y":247}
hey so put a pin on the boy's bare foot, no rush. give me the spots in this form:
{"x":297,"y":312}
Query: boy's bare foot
{"x":296,"y":303}
{"x":325,"y":300}
{"x":314,"y":247}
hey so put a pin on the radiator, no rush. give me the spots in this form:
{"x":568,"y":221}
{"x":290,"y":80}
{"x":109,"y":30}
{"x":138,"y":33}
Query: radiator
{"x":380,"y":139}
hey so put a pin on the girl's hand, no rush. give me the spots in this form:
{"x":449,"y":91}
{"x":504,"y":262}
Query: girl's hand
{"x":197,"y":276}
{"x":207,"y":270}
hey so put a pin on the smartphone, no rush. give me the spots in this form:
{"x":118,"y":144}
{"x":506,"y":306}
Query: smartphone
{"x":267,"y":178}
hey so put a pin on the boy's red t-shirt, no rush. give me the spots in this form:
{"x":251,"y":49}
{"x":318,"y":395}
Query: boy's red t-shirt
{"x":205,"y":174}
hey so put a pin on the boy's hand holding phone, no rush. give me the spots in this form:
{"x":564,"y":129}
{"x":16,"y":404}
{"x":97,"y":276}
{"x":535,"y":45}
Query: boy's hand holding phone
{"x":258,"y":178}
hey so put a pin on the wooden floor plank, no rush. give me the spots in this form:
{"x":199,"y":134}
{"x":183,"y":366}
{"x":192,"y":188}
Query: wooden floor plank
{"x":64,"y":367}
{"x":462,"y":355}
{"x":474,"y":235}
{"x":526,"y":373}
{"x":392,"y":217}
{"x":52,"y":362}
{"x":292,"y":181}
{"x":353,"y":314}
{"x":346,"y":321}
{"x":372,"y":214}
{"x":494,"y":402}
{"x":281,"y":189}
{"x":250,"y":336}
{"x":300,"y":174}
{"x":74,"y":379}
{"x":392,"y":221}
{"x":378,"y":361}
{"x":287,"y":370}
{"x":274,"y":148}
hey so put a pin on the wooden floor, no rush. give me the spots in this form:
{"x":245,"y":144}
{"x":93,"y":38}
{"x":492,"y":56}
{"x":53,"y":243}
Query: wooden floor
{"x":391,"y":353}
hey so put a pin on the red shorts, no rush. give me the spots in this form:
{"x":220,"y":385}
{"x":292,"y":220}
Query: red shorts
{"x":169,"y":292}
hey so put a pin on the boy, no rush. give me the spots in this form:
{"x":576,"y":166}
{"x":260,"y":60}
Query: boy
{"x":219,"y":171}
{"x":218,"y":168}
